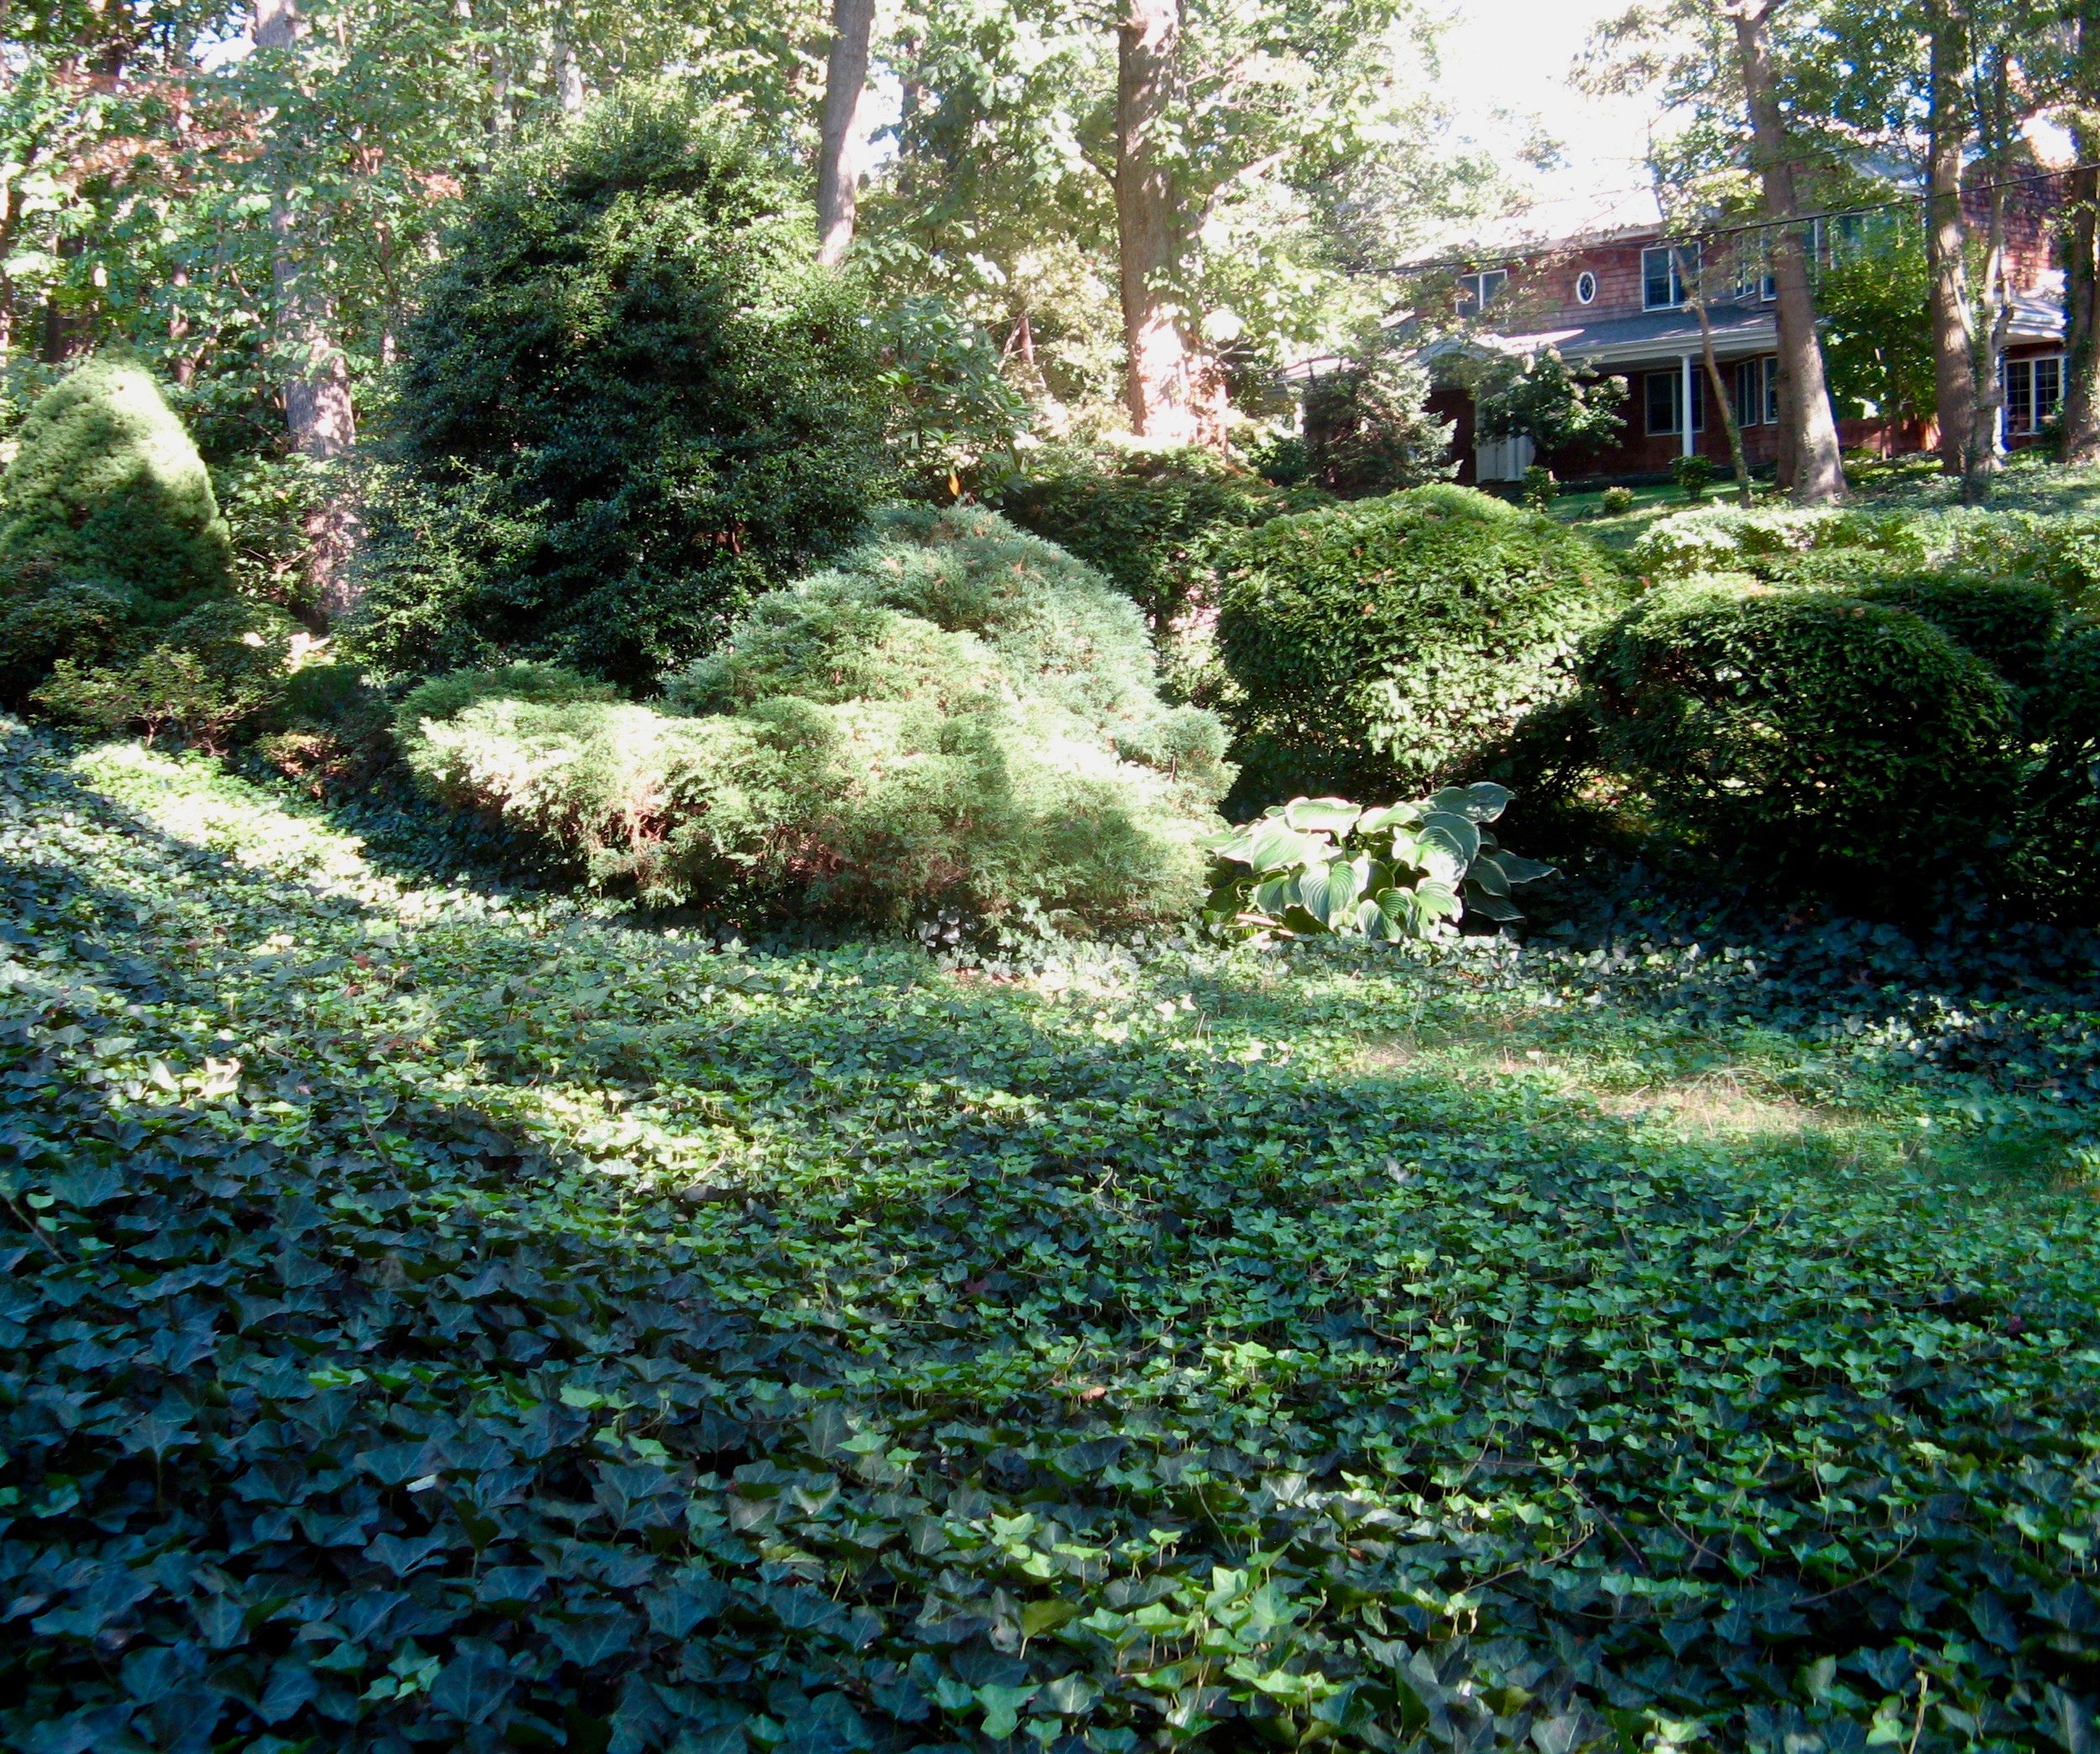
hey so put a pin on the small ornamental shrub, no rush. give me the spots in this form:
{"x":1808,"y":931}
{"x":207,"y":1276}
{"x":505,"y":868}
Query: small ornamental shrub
{"x":1729,"y":538}
{"x":1383,"y":643}
{"x":108,"y":524}
{"x":1320,"y":866}
{"x":1617,"y":502}
{"x":1695,"y":474}
{"x":219,"y":672}
{"x":1805,"y":736}
{"x":960,"y":716}
{"x":1151,"y":521}
{"x":1369,"y":429}
{"x":632,"y":403}
{"x":1541,"y":488}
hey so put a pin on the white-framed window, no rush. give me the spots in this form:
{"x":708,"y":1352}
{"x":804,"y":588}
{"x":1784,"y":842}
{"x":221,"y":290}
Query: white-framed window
{"x":2033,"y":391}
{"x":1477,"y":292}
{"x":1754,"y":278}
{"x":1662,"y":275}
{"x":1758,"y":392}
{"x":1664,"y":393}
{"x":1585,"y":287}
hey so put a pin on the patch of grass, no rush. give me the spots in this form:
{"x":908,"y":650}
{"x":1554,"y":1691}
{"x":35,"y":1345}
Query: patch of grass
{"x":432,"y":1315}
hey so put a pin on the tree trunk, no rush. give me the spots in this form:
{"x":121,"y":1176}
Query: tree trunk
{"x":1169,"y":388}
{"x":1809,"y":436}
{"x":1946,"y":239}
{"x":2080,"y":416}
{"x":569,"y":92}
{"x":1738,"y":460}
{"x":838,"y":152}
{"x":317,"y":385}
{"x":1986,"y":457}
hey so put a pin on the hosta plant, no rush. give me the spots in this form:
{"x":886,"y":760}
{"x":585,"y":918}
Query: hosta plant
{"x":1317,"y":866}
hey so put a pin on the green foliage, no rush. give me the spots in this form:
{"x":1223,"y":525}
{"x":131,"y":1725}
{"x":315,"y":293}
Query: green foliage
{"x":1320,"y":866}
{"x":2058,"y":842}
{"x":435,"y":1319}
{"x":1873,"y":303}
{"x":1812,"y":738}
{"x":108,"y":523}
{"x":1540,"y":399}
{"x":1730,"y":538}
{"x":1369,"y":429}
{"x":960,"y":717}
{"x":2008,"y":624}
{"x":1385,"y":642}
{"x":632,"y":403}
{"x":1617,"y":502}
{"x":1695,"y":474}
{"x":1541,"y":488}
{"x":1151,"y":521}
{"x":447,"y":697}
{"x":951,"y":411}
{"x":220,"y":670}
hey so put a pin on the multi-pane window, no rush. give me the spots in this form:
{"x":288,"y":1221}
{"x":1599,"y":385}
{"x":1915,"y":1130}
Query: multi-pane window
{"x":1665,"y":393}
{"x":1662,"y":277}
{"x":1477,"y":292}
{"x":1754,"y":278}
{"x":1757,"y":392}
{"x":2034,"y":389}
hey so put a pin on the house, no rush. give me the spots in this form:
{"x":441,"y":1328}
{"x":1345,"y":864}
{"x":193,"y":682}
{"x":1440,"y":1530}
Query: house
{"x":1619,"y":301}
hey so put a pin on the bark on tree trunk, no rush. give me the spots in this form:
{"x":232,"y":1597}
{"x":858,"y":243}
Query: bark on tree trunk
{"x":1722,"y":399}
{"x":317,"y":385}
{"x":569,"y":92}
{"x":839,"y":151}
{"x":1809,"y":436}
{"x":1986,"y":457}
{"x":1946,"y":240}
{"x":1173,"y":394}
{"x":2080,"y":416}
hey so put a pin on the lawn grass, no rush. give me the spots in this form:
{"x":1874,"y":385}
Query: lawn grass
{"x":435,"y":1314}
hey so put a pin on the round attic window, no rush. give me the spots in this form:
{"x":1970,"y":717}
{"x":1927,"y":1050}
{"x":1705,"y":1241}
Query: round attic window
{"x":1585,"y":287}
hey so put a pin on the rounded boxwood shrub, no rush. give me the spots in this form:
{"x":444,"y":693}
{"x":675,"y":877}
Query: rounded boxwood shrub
{"x":2059,"y":830}
{"x":633,"y":402}
{"x":960,"y":717}
{"x":2006,"y":622}
{"x":1806,"y":736}
{"x":108,"y":524}
{"x":1376,"y":646}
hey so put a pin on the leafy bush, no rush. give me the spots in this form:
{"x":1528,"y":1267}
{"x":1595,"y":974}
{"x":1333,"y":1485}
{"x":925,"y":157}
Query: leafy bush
{"x":1151,"y":521}
{"x":2008,"y":622}
{"x":108,"y":524}
{"x":220,"y":670}
{"x":1386,"y":642}
{"x":950,"y":409}
{"x":2059,"y":839}
{"x":1369,"y":429}
{"x":960,"y":716}
{"x":1727,"y":538}
{"x":1317,"y":866}
{"x":1617,"y":502}
{"x":1807,"y":736}
{"x":632,"y":403}
{"x":1695,"y":474}
{"x":1541,"y":488}
{"x":1540,"y":399}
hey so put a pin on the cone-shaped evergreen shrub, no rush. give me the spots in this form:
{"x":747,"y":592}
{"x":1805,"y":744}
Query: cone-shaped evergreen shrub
{"x":108,"y":523}
{"x":633,"y":402}
{"x":960,"y":716}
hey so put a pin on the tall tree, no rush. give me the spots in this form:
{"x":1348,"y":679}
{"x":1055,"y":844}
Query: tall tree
{"x":838,"y":149}
{"x":2081,"y":419}
{"x":1948,"y":133}
{"x":1809,"y":430}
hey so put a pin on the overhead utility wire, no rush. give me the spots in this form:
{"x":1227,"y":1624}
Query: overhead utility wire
{"x":1462,"y":264}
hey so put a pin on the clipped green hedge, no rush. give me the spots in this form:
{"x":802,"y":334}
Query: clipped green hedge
{"x":109,"y":530}
{"x":1807,"y":736}
{"x":960,"y":716}
{"x":2059,"y":841}
{"x":1382,"y":643}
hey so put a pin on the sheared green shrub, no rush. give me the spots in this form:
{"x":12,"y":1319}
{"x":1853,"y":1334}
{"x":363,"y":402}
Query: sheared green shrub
{"x":449,"y":695}
{"x":633,"y":402}
{"x":1320,"y":866}
{"x":1807,"y":736}
{"x":2059,"y":830}
{"x":1617,"y":501}
{"x":1383,"y":643}
{"x":2006,"y":622}
{"x":220,"y":670}
{"x":1730,"y":538}
{"x":960,"y":717}
{"x":108,"y":523}
{"x":2061,"y":552}
{"x":1150,"y":521}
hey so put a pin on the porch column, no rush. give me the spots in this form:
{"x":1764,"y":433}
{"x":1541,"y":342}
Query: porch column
{"x":1686,"y":405}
